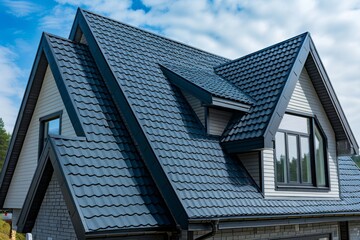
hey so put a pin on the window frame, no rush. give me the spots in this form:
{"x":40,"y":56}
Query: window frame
{"x":42,"y":122}
{"x":299,"y":186}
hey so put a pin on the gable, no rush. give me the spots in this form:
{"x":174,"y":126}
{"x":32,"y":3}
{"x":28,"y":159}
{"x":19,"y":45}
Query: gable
{"x":49,"y":101}
{"x":50,"y":216}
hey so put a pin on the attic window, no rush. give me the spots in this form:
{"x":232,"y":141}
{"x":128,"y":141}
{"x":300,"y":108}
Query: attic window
{"x":49,"y":125}
{"x":300,"y":153}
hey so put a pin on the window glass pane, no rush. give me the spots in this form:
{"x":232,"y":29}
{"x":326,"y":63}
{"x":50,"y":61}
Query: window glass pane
{"x":54,"y":126}
{"x":319,"y":158}
{"x":280,"y":157}
{"x":51,"y":127}
{"x":305,"y":160}
{"x":293,"y":158}
{"x":295,"y":123}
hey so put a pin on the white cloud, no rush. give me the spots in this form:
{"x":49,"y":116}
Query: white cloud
{"x":21,"y":8}
{"x":11,"y":91}
{"x":235,"y":28}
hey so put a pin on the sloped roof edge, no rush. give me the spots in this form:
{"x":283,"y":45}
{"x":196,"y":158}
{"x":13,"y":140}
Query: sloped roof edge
{"x":48,"y":164}
{"x":163,"y":184}
{"x":332,"y":96}
{"x":307,"y":50}
{"x":44,"y":57}
{"x":206,"y":95}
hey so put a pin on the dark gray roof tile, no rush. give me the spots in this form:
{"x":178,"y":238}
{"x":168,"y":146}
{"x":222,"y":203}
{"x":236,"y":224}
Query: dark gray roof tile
{"x":208,"y":182}
{"x":111,"y":184}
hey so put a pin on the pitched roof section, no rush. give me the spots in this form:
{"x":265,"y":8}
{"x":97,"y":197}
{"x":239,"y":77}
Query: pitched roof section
{"x":105,"y":175}
{"x":262,"y":75}
{"x":196,"y":166}
{"x":190,"y":78}
{"x":207,"y":182}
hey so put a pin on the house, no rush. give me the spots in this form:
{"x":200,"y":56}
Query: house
{"x":124,"y":134}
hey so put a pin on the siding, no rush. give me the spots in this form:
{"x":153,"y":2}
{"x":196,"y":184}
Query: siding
{"x":277,"y":232}
{"x":354,"y":230}
{"x":217,"y":121}
{"x":49,"y":101}
{"x":53,"y":220}
{"x":196,"y":105}
{"x":304,"y":99}
{"x":251,"y":162}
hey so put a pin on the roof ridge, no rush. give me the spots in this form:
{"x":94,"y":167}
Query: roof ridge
{"x":156,"y":35}
{"x":63,"y":38}
{"x":261,"y":50}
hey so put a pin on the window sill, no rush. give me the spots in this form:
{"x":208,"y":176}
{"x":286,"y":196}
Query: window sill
{"x":301,"y":188}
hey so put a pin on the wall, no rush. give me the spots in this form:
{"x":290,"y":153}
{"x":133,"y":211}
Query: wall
{"x":251,"y":162}
{"x":49,"y":101}
{"x":217,"y":121}
{"x":304,"y":99}
{"x":196,"y":106}
{"x":53,"y":220}
{"x":288,"y":231}
{"x":354,"y":230}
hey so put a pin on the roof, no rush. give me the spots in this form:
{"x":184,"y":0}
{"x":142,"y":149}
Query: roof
{"x":263,"y":76}
{"x":207,"y":181}
{"x":103,"y":173}
{"x":143,"y":155}
{"x":207,"y":80}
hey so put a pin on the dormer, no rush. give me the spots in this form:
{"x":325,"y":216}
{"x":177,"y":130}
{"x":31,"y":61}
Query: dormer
{"x":214,"y":99}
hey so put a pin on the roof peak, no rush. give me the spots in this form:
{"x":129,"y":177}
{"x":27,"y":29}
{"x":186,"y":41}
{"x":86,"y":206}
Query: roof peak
{"x":303,"y":35}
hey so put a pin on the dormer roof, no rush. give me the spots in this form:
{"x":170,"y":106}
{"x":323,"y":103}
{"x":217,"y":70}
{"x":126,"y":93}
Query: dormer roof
{"x":207,"y":86}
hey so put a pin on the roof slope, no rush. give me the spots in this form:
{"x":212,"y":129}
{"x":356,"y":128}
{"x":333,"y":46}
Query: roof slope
{"x":108,"y":179}
{"x":262,"y":75}
{"x":207,"y":181}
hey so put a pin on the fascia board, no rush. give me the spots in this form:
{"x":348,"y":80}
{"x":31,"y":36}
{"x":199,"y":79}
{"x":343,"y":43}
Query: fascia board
{"x":187,"y":86}
{"x":68,"y":193}
{"x":287,"y":91}
{"x":167,"y":190}
{"x":37,"y":74}
{"x":63,"y":89}
{"x":331,"y":92}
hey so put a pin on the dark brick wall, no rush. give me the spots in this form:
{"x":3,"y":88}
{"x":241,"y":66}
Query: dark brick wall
{"x":53,"y":221}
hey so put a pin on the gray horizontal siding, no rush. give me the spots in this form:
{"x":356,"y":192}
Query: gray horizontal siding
{"x":305,"y":99}
{"x":49,"y":101}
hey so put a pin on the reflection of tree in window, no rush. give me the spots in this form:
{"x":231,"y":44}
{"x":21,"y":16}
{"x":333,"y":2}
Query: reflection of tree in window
{"x":296,"y":161}
{"x":280,"y":158}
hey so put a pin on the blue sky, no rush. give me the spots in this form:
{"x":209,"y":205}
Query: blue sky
{"x":229,"y":28}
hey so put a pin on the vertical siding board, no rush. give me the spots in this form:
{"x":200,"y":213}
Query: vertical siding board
{"x":49,"y":101}
{"x":305,"y":99}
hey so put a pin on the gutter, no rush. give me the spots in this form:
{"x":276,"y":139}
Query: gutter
{"x":214,"y":230}
{"x":266,"y":221}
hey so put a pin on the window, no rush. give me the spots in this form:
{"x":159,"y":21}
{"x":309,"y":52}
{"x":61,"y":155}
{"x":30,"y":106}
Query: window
{"x":49,"y":125}
{"x":300,"y":153}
